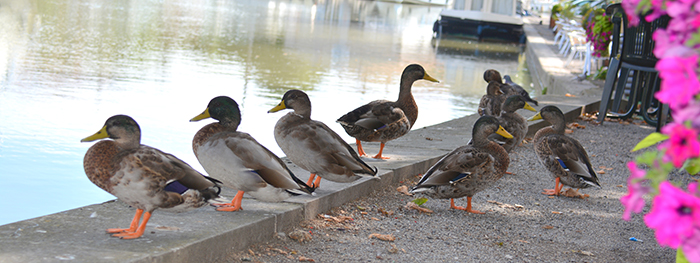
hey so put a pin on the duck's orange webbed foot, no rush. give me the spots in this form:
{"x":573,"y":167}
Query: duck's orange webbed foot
{"x":468,"y":208}
{"x":379,"y":155}
{"x":132,"y":227}
{"x":235,"y":204}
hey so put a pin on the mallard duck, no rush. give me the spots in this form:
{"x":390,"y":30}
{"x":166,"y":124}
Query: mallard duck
{"x":490,"y":104}
{"x":383,"y":120}
{"x":469,"y":169}
{"x":493,"y":75}
{"x":313,"y":146}
{"x":515,"y":124}
{"x":238,"y":160}
{"x":142,"y":176}
{"x":562,"y":155}
{"x":519,"y":90}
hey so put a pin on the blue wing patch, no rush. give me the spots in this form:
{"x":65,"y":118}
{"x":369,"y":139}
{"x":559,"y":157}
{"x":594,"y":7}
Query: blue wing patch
{"x":458,"y":177}
{"x":562,"y":164}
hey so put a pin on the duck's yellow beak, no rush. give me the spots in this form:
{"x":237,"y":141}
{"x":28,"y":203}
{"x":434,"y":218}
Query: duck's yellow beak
{"x":277,"y":108}
{"x":537,"y":116}
{"x":98,"y":135}
{"x":528,"y":107}
{"x":428,"y":77}
{"x":202,"y":116}
{"x":501,"y":131}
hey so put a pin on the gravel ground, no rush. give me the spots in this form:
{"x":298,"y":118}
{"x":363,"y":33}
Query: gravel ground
{"x":520,"y":224}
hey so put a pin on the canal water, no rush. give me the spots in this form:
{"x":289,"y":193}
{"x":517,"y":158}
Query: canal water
{"x":66,"y":66}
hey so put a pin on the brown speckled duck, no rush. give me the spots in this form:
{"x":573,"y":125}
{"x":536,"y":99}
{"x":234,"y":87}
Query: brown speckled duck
{"x":515,"y":124}
{"x":469,"y":169}
{"x":490,"y":104}
{"x":562,"y":156}
{"x":383,"y":120}
{"x":238,"y":160}
{"x":313,"y":146}
{"x":142,"y":176}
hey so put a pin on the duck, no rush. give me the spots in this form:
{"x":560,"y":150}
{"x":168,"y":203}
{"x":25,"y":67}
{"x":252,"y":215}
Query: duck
{"x":563,"y":156}
{"x":141,"y":176}
{"x":509,"y":87}
{"x":384,"y":120}
{"x":493,"y":75}
{"x":513,"y":122}
{"x":468,"y":169}
{"x":313,"y":146}
{"x":519,"y":90}
{"x":239,"y":161}
{"x":490,"y":104}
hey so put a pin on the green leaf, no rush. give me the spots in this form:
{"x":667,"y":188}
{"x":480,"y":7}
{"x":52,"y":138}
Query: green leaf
{"x":692,"y":166}
{"x":420,"y":201}
{"x":648,"y":157}
{"x":650,"y":140}
{"x":680,"y":257}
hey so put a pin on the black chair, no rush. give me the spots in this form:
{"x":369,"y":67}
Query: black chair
{"x":631,"y":67}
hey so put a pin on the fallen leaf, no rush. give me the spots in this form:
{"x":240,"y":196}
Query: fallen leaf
{"x":568,"y":131}
{"x":523,"y":241}
{"x":548,"y":227}
{"x":337,"y":219}
{"x":502,"y":205}
{"x":167,"y":228}
{"x":412,"y":205}
{"x":385,"y":212}
{"x":404,"y":190}
{"x":619,"y":185}
{"x":393,"y":249}
{"x":363,"y":213}
{"x":585,"y":253}
{"x":251,"y":252}
{"x":555,"y":212}
{"x":375,"y":219}
{"x":600,"y":172}
{"x":569,"y":192}
{"x":305,"y":259}
{"x":382,"y":237}
{"x":299,"y":235}
{"x":569,"y":95}
{"x":279,"y":251}
{"x":420,"y":201}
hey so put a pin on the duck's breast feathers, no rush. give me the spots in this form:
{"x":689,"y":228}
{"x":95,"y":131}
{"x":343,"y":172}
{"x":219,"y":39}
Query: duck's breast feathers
{"x":571,"y":155}
{"x":100,"y":163}
{"x":205,"y":133}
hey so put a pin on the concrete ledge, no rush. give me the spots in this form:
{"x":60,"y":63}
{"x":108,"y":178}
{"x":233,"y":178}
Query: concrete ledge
{"x":205,"y":235}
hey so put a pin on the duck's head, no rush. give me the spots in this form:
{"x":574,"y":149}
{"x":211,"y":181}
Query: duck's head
{"x":415,"y":72}
{"x":120,"y":128}
{"x":494,"y":88}
{"x":549,"y":113}
{"x":485,"y":126}
{"x":492,"y":75}
{"x":223,"y":109}
{"x":296,"y":100}
{"x":515,"y":102}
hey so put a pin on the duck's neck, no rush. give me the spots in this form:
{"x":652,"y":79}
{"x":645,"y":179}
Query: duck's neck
{"x":406,"y":101}
{"x":559,"y":127}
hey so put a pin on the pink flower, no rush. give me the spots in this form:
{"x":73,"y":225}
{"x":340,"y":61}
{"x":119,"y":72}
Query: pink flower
{"x":681,"y":144}
{"x":674,"y":215}
{"x":679,"y":82}
{"x":634,"y":201}
{"x":691,"y":246}
{"x":690,"y":112}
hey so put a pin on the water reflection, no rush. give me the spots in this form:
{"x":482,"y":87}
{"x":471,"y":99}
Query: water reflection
{"x":66,"y":66}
